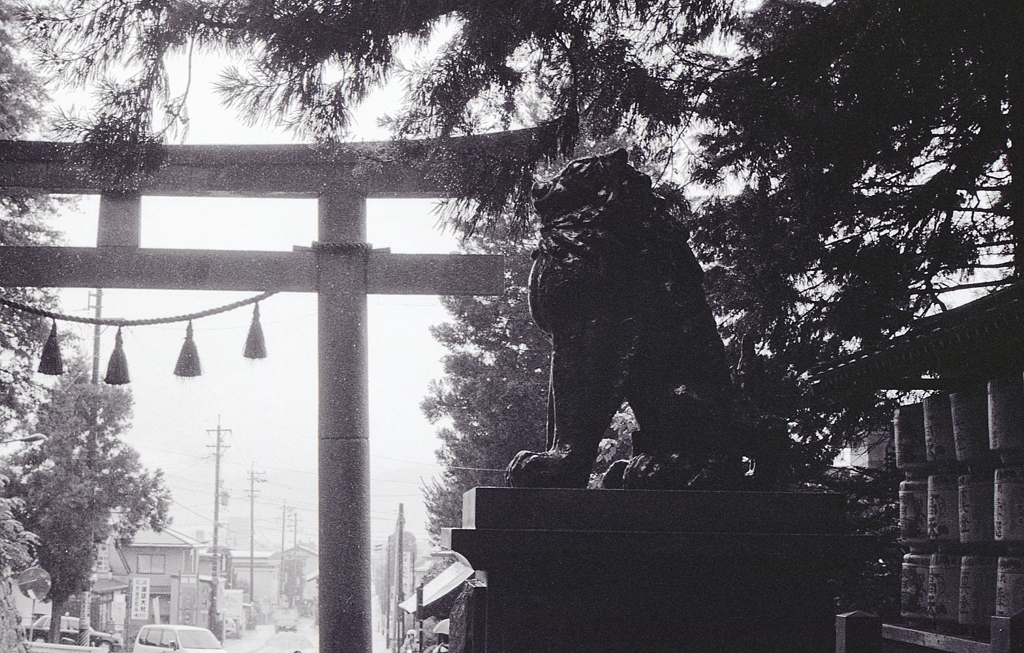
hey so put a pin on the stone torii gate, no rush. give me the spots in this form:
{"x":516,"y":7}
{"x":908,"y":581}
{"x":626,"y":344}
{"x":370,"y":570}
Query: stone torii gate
{"x":340,"y":268}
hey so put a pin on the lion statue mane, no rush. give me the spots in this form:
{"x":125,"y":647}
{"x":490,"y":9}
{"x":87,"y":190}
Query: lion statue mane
{"x":619,"y":292}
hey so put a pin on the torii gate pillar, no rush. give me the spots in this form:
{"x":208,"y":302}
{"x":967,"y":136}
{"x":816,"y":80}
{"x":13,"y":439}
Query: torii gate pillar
{"x":344,"y":448}
{"x":340,"y":270}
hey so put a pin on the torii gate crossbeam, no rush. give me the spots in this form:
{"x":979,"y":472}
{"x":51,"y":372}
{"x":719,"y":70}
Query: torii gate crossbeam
{"x":340,"y":270}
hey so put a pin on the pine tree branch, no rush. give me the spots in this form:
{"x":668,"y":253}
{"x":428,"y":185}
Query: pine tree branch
{"x":964,"y":286}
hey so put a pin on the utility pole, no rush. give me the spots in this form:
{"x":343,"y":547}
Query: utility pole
{"x":280,"y":579}
{"x":85,"y":616}
{"x":295,"y":558}
{"x":253,"y":480}
{"x":96,"y":330}
{"x":399,"y":637}
{"x":214,"y":608}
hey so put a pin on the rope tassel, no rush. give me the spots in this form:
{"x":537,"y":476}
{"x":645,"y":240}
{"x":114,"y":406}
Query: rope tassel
{"x":51,"y":362}
{"x":188,"y":359}
{"x":117,"y":367}
{"x":255,"y":346}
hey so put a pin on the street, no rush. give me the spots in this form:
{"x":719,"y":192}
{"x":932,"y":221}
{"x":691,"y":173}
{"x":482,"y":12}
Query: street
{"x":265,"y":640}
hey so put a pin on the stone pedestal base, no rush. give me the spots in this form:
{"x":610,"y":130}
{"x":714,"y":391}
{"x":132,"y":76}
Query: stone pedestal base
{"x":615,"y":570}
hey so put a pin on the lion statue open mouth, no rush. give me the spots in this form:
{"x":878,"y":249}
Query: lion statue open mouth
{"x":619,"y":292}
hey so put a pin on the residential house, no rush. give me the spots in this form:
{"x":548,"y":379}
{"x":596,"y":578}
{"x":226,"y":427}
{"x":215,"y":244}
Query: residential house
{"x":165,"y":585}
{"x":265,"y":568}
{"x":299,"y":580}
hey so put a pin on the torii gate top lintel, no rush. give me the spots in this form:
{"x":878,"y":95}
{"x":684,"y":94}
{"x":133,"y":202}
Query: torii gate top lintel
{"x":340,"y":177}
{"x":341,"y":271}
{"x":399,"y":168}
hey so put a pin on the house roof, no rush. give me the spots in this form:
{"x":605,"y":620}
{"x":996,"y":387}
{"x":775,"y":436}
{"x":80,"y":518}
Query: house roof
{"x":118,"y":563}
{"x":300,"y":548}
{"x":259,"y":558}
{"x":974,"y":342}
{"x":164,"y":538}
{"x":243,"y":554}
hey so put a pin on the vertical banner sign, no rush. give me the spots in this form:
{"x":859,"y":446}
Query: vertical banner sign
{"x":188,"y":600}
{"x":118,"y":608}
{"x":408,"y":575}
{"x":140,"y":598}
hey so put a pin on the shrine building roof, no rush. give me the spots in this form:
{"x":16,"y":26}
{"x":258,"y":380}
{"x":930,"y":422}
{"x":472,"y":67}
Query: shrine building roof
{"x":973,"y":342}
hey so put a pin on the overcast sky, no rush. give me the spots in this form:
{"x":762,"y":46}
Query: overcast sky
{"x":269,"y":406}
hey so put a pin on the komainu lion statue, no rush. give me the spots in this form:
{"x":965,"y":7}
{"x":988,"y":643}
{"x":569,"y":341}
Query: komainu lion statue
{"x":618,"y":290}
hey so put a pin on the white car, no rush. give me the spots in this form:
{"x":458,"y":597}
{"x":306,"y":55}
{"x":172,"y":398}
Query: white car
{"x":286,"y":619}
{"x":162,"y":638}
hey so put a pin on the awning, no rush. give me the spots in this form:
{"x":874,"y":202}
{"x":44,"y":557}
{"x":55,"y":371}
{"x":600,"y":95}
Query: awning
{"x":444,"y":583}
{"x":108,"y":586}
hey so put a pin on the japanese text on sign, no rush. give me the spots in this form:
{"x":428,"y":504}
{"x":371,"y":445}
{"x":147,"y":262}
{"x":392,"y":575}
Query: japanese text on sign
{"x":140,"y":598}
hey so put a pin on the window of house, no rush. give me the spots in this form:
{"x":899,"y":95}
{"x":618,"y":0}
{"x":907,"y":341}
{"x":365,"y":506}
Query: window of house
{"x":150,"y":563}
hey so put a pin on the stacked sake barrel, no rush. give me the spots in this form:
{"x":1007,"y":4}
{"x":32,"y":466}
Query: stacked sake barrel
{"x":962,"y":505}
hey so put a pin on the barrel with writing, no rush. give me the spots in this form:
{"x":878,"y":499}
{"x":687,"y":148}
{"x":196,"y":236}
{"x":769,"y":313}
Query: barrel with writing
{"x":1008,"y":500}
{"x":938,"y":429}
{"x":1006,"y":414}
{"x":913,"y":495}
{"x":943,"y":508}
{"x":914,"y":586}
{"x":969,"y":412}
{"x":976,"y":508}
{"x":944,"y":587}
{"x":1009,"y":586}
{"x":977,"y":590}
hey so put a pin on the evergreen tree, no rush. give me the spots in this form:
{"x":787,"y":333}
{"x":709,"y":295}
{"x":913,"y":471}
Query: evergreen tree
{"x":871,"y":143}
{"x":22,"y":222}
{"x":307,"y":64}
{"x":83,"y":483}
{"x":491,"y":402}
{"x":578,"y":71}
{"x":16,"y":543}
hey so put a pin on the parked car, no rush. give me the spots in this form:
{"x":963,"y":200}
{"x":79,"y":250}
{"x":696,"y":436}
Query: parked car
{"x":69,"y":633}
{"x":162,"y":638}
{"x":286,"y":619}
